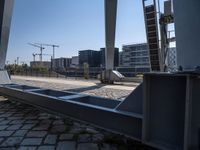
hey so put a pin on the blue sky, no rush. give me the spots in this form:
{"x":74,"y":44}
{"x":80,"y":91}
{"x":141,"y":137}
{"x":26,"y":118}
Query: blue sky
{"x":72,"y":24}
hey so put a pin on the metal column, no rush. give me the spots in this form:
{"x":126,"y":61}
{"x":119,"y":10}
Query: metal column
{"x":6,"y":8}
{"x":187,"y":27}
{"x":110,"y":27}
{"x":109,"y":75}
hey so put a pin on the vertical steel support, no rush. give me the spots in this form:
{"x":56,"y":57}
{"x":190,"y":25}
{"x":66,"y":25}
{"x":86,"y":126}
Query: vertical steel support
{"x":187,"y":26}
{"x":6,"y":8}
{"x":110,"y":27}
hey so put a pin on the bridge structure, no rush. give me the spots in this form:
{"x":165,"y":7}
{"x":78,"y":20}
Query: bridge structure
{"x":162,"y":112}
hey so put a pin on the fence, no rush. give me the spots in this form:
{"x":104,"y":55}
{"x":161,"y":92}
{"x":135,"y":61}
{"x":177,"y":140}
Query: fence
{"x":77,"y":73}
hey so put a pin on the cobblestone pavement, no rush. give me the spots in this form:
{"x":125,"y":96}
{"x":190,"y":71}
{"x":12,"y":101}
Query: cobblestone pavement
{"x":95,"y":89}
{"x":25,"y":127}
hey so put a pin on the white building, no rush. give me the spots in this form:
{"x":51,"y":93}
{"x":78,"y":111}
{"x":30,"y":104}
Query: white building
{"x":136,"y":56}
{"x":74,"y":62}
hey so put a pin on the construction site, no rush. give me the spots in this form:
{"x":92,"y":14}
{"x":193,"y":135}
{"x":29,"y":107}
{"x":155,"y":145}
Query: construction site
{"x":156,"y":110}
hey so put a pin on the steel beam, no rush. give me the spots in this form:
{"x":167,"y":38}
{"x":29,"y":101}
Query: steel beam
{"x":168,"y":120}
{"x":164,"y":110}
{"x":110,"y":27}
{"x":187,"y":23}
{"x":98,"y":111}
{"x":6,"y":9}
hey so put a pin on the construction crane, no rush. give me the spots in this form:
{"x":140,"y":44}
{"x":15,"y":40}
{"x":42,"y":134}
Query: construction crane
{"x":41,"y":49}
{"x":34,"y":55}
{"x":51,"y":45}
{"x":17,"y":60}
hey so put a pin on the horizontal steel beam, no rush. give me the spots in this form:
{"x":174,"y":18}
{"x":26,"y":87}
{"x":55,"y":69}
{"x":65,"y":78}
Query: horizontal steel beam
{"x":94,"y":110}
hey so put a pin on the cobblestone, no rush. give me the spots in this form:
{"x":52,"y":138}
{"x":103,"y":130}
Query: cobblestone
{"x":20,"y":132}
{"x":8,"y":148}
{"x":5,"y":133}
{"x":32,"y":141}
{"x":12,"y":141}
{"x":87,"y":146}
{"x":5,"y":122}
{"x":84,"y":138}
{"x":36,"y":134}
{"x":14,"y":127}
{"x":1,"y":139}
{"x":2,"y":127}
{"x":27,"y":126}
{"x":66,"y":145}
{"x":17,"y":122}
{"x":58,"y":129}
{"x":32,"y":121}
{"x":41,"y":127}
{"x":50,"y":139}
{"x":27,"y":148}
{"x":66,"y":136}
{"x":46,"y":148}
{"x":1,"y":119}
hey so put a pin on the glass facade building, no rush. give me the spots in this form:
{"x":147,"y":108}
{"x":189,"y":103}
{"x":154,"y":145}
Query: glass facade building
{"x":136,"y":56}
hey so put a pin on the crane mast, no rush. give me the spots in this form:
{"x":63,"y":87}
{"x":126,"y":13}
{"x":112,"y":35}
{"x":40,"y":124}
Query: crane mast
{"x":40,"y":46}
{"x":50,"y":45}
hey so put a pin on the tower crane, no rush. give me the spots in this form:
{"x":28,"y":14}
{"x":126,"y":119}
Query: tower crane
{"x":51,"y":45}
{"x":38,"y":46}
{"x":34,"y":55}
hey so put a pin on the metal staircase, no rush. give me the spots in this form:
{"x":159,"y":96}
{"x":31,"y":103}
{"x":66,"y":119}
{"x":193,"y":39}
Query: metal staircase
{"x":150,"y":15}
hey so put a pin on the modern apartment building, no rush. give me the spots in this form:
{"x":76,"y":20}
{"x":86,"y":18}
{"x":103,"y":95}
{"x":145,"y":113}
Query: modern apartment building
{"x":136,"y":56}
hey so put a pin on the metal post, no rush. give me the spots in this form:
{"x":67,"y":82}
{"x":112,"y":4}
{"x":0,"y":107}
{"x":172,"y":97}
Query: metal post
{"x":110,"y":27}
{"x":53,"y":52}
{"x":6,"y":8}
{"x":41,"y":49}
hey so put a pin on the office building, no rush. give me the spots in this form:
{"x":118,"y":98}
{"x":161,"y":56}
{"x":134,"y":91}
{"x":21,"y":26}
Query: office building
{"x":75,"y":62}
{"x":136,"y":56}
{"x":91,"y":57}
{"x":61,"y":64}
{"x":120,"y":59}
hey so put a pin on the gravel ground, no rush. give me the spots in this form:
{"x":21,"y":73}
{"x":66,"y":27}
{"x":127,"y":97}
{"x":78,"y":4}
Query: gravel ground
{"x":87,"y":87}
